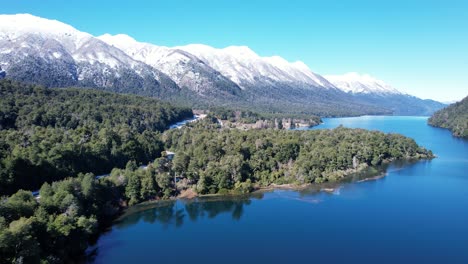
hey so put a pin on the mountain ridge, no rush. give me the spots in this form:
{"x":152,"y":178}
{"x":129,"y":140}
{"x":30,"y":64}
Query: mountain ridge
{"x":177,"y":64}
{"x":354,"y":82}
{"x":54,"y":54}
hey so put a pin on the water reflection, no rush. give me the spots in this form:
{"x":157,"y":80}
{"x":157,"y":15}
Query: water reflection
{"x":174,"y":213}
{"x":415,"y":215}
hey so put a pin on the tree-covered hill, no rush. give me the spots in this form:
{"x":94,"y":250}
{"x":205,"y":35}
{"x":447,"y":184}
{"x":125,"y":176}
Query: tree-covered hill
{"x":215,"y":159}
{"x":453,"y":117}
{"x":49,"y":134}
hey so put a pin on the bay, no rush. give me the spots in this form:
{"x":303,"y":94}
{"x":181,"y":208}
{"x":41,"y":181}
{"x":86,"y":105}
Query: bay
{"x":417,"y":213}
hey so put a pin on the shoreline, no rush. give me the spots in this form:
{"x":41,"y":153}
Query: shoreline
{"x":328,"y":187}
{"x":350,"y":176}
{"x":190,"y":195}
{"x":374,"y":178}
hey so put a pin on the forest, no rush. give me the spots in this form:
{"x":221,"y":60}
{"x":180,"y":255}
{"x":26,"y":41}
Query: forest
{"x":54,"y":138}
{"x":49,"y":134}
{"x":454,"y":117}
{"x":216,"y":160}
{"x":57,"y":227}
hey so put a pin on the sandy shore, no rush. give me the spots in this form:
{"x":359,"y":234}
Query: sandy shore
{"x":287,"y":186}
{"x":373,"y":178}
{"x":187,"y":194}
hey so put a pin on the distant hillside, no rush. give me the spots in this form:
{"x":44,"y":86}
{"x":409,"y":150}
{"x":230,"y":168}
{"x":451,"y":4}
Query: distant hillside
{"x":365,"y":88}
{"x":453,"y":117}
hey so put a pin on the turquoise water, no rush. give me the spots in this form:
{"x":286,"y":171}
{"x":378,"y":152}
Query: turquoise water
{"x":417,"y":214}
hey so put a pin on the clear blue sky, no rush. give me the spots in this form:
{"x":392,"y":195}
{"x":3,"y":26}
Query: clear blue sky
{"x":420,"y":47}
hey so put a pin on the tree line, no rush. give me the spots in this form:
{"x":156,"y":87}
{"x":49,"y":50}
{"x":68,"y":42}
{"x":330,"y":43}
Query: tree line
{"x":453,"y":117}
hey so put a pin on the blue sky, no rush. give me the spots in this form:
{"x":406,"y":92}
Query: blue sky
{"x":419,"y":47}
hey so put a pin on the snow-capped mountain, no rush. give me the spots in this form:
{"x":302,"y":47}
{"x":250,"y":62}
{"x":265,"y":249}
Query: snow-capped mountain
{"x":15,"y":27}
{"x":52,"y":53}
{"x":366,"y":88}
{"x":361,"y":83}
{"x":244,"y":67}
{"x":184,"y":68}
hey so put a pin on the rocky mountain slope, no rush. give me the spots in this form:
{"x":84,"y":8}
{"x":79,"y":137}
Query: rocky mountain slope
{"x":184,"y":68}
{"x":54,"y":54}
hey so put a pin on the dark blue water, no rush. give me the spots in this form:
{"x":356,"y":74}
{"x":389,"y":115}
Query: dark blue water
{"x":418,"y":213}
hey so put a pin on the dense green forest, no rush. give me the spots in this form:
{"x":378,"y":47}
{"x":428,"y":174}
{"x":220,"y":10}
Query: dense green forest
{"x":51,"y":137}
{"x":49,"y":134}
{"x":216,"y":160}
{"x":453,"y":117}
{"x":57,"y":227}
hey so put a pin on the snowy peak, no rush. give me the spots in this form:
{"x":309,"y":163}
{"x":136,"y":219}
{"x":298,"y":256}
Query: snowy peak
{"x":241,"y":51}
{"x":299,"y":71}
{"x":22,"y":23}
{"x":184,"y":68}
{"x":361,"y":84}
{"x":24,"y":35}
{"x":55,"y":54}
{"x":163,"y":58}
{"x":246,"y":68}
{"x":120,"y":41}
{"x":13,"y":27}
{"x":145,"y":52}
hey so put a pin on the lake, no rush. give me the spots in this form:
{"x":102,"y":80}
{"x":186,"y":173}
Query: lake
{"x":418,"y":213}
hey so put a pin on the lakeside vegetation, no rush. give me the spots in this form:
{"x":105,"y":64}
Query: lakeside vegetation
{"x":216,"y":160}
{"x":54,"y":135}
{"x":454,"y":117}
{"x":208,"y":159}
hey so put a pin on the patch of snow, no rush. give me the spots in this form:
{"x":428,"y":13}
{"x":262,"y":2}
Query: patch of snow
{"x":15,"y":26}
{"x":361,"y":83}
{"x":57,"y":55}
{"x":7,"y":51}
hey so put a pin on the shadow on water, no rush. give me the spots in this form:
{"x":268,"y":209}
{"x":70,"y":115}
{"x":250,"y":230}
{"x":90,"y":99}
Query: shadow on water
{"x":175,"y":213}
{"x":368,"y":174}
{"x":415,"y":215}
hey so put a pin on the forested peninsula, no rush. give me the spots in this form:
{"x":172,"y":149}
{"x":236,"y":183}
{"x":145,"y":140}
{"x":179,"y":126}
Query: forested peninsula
{"x":454,"y":117}
{"x":59,"y":136}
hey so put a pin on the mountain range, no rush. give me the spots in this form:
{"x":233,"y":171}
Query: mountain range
{"x":54,"y":54}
